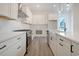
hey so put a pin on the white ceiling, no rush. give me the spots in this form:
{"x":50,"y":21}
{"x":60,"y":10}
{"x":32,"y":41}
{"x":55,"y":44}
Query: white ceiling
{"x":44,"y":8}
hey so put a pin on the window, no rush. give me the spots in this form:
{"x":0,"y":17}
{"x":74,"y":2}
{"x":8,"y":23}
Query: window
{"x":61,"y":24}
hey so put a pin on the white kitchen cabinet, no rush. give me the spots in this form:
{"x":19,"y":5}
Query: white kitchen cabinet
{"x":25,"y":14}
{"x":22,"y":49}
{"x":11,"y":51}
{"x":5,"y":9}
{"x":29,"y":14}
{"x":59,"y":49}
{"x":75,"y":49}
{"x":50,"y":40}
{"x":3,"y":47}
{"x":24,"y":7}
{"x":54,"y":44}
{"x":52,"y":17}
{"x":63,"y":51}
{"x":14,"y":47}
{"x":14,"y":10}
{"x":63,"y":48}
{"x":59,"y":45}
{"x":9,"y":10}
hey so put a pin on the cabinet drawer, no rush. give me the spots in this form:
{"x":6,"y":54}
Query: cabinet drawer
{"x":11,"y":42}
{"x":75,"y":49}
{"x":22,"y":50}
{"x":65,"y":42}
{"x":15,"y":40}
{"x":75,"y":52}
{"x":75,"y":45}
{"x":3,"y":47}
{"x":10,"y":51}
{"x":13,"y":50}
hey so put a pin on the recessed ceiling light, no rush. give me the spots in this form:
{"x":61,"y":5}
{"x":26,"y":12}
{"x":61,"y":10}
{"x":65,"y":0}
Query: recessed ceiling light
{"x":67,"y":4}
{"x":59,"y":12}
{"x":54,"y":5}
{"x":37,"y":6}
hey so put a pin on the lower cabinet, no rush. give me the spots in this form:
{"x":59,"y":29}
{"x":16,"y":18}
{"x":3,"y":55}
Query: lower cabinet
{"x":22,"y":51}
{"x":11,"y":51}
{"x":54,"y":45}
{"x":63,"y":47}
{"x":60,"y":46}
{"x":75,"y":49}
{"x":14,"y":47}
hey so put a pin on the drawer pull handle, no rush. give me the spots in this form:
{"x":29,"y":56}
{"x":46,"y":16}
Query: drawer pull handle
{"x":19,"y":47}
{"x":71,"y":48}
{"x":51,"y":38}
{"x":61,"y":39}
{"x":18,"y":38}
{"x":2,"y":47}
{"x":60,"y":44}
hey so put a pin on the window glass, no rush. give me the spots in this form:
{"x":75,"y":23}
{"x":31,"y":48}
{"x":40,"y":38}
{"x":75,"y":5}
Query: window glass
{"x":61,"y":24}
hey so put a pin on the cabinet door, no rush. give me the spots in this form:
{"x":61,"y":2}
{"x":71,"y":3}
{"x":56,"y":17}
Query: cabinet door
{"x":5,"y":9}
{"x":54,"y":47}
{"x":63,"y":51}
{"x":50,"y":42}
{"x":59,"y":49}
{"x":66,"y":52}
{"x":75,"y":49}
{"x":63,"y":48}
{"x":54,"y":44}
{"x":22,"y":51}
{"x":14,"y":10}
{"x":52,"y":17}
{"x":11,"y":51}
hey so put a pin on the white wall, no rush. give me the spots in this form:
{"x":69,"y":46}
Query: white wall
{"x":52,"y":25}
{"x":39,"y":19}
{"x":76,"y":19}
{"x":39,"y":22}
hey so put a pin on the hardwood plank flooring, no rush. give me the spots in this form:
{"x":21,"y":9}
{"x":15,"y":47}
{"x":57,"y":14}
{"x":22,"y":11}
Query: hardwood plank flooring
{"x":39,"y":47}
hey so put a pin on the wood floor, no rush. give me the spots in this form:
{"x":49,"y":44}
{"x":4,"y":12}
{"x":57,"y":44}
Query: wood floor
{"x":39,"y":47}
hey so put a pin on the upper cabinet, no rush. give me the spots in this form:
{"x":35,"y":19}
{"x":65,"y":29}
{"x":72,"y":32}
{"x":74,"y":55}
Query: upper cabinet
{"x":25,"y":13}
{"x":52,"y":17}
{"x":9,"y":10}
{"x":14,"y":10}
{"x":4,"y":10}
{"x":29,"y":14}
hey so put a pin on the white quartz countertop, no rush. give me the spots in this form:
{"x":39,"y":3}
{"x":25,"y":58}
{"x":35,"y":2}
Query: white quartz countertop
{"x":72,"y":37}
{"x":7,"y":35}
